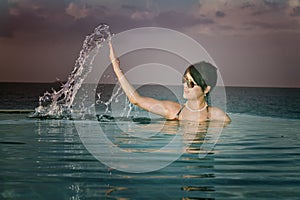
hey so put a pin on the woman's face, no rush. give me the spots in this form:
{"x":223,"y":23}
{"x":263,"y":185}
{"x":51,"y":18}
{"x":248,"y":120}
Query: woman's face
{"x":191,"y":90}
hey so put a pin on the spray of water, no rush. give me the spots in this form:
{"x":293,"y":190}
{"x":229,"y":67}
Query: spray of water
{"x":58,"y":104}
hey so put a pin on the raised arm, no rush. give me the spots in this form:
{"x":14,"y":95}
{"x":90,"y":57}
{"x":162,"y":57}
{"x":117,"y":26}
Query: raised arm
{"x":167,"y":109}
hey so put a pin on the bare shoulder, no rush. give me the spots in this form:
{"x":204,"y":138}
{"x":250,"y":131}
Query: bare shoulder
{"x":218,"y":114}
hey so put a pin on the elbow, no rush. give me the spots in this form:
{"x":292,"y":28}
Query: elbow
{"x":134,"y":99}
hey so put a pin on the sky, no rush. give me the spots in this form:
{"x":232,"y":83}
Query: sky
{"x":253,"y":42}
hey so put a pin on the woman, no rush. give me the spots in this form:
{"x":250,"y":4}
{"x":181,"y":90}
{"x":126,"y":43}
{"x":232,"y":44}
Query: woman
{"x":196,"y":88}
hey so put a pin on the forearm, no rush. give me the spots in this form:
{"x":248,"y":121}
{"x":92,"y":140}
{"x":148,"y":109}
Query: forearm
{"x":126,"y":86}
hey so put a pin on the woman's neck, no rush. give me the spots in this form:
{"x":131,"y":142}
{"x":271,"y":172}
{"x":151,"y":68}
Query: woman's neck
{"x":196,"y":104}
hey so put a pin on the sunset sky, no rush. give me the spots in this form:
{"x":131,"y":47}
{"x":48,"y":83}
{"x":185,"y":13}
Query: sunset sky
{"x":253,"y":42}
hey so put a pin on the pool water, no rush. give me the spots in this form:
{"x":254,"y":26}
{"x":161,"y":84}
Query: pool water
{"x":255,"y":157}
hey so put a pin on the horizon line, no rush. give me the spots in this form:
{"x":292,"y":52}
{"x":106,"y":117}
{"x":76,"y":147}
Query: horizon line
{"x":244,"y":86}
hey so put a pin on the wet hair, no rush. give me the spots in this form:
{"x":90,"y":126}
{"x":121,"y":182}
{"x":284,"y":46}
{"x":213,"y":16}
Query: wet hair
{"x":204,"y":74}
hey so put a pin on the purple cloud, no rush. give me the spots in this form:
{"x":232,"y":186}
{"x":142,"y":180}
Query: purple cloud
{"x":296,"y":11}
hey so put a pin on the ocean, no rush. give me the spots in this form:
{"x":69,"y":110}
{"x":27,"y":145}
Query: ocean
{"x":256,"y":156}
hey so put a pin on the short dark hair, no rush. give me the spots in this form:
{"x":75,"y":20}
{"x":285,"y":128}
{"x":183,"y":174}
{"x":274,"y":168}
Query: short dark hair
{"x":204,"y":74}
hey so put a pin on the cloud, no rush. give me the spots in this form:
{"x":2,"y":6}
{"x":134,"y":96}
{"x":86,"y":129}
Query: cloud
{"x":178,"y":19}
{"x":212,"y":17}
{"x":142,"y":15}
{"x":294,"y":3}
{"x":31,"y":17}
{"x":248,"y":17}
{"x":77,"y":11}
{"x":5,"y":28}
{"x":220,"y":14}
{"x":129,"y":7}
{"x":279,"y":25}
{"x":247,"y":5}
{"x":139,"y":13}
{"x":274,"y":3}
{"x":295,"y":11}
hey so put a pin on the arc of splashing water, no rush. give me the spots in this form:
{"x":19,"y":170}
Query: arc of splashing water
{"x":58,"y":104}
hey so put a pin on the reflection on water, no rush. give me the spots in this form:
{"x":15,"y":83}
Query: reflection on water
{"x":45,"y":159}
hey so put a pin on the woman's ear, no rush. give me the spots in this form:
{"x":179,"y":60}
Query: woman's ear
{"x":207,"y":89}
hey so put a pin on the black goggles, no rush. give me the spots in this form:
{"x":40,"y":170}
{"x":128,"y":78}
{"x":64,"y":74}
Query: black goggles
{"x":189,"y":83}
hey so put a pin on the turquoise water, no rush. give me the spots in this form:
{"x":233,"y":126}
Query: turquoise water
{"x":254,"y":158}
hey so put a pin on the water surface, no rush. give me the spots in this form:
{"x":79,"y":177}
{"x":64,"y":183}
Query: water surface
{"x":254,"y":158}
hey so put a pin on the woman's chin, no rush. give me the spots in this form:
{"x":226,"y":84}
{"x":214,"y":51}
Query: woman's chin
{"x":189,"y":97}
{"x":186,"y":96}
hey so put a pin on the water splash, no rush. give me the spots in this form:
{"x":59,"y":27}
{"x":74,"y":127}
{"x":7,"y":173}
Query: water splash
{"x":58,"y":104}
{"x":118,"y":105}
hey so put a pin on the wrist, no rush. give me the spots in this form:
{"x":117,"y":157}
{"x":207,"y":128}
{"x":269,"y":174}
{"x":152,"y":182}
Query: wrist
{"x":115,"y":61}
